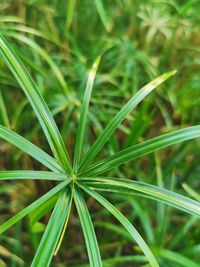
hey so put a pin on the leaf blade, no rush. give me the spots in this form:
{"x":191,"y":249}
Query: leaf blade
{"x":4,"y":114}
{"x":70,"y":12}
{"x":88,"y":230}
{"x":176,"y":200}
{"x":126,"y":224}
{"x":31,"y":149}
{"x":5,"y":226}
{"x":120,"y":116}
{"x":103,"y":15}
{"x":47,"y":58}
{"x":33,"y":175}
{"x":37,"y":102}
{"x":84,"y":112}
{"x":53,"y":231}
{"x":145,"y":148}
{"x":175,"y":257}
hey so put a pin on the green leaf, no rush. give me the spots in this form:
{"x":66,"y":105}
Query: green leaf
{"x":180,"y":260}
{"x":118,"y":230}
{"x":176,"y":200}
{"x":33,"y":175}
{"x":45,"y":55}
{"x":43,"y":209}
{"x":126,"y":224}
{"x":103,"y":15}
{"x":191,"y":191}
{"x":11,"y":19}
{"x":32,"y":150}
{"x":144,"y":148}
{"x":53,"y":231}
{"x":32,"y":207}
{"x":84,"y":112}
{"x":3,"y":112}
{"x":70,"y":12}
{"x":36,"y":100}
{"x":119,"y":260}
{"x":88,"y":230}
{"x":120,"y":116}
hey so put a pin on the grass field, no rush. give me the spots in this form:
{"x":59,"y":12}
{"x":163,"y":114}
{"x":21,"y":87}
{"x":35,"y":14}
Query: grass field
{"x":99,"y":133}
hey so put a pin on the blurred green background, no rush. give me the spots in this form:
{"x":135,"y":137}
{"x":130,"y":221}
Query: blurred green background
{"x":57,"y":41}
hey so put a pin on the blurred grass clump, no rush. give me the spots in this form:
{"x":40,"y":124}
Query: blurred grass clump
{"x":58,"y":40}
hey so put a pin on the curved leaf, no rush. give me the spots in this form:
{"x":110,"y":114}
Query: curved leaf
{"x":32,"y":207}
{"x":31,"y":149}
{"x":126,"y":224}
{"x":53,"y":231}
{"x":22,"y":38}
{"x":177,"y":258}
{"x":176,"y":200}
{"x":36,"y":100}
{"x":120,"y":116}
{"x":144,"y":148}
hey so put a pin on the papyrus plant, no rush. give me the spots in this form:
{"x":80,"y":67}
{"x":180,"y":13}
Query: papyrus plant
{"x":85,"y":175}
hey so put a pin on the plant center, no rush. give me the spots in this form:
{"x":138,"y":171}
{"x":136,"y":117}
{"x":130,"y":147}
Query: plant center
{"x":73,"y":177}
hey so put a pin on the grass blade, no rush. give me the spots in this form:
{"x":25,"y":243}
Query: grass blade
{"x":119,"y":260}
{"x":4,"y":227}
{"x":11,"y":19}
{"x":3,"y":111}
{"x":36,"y":215}
{"x":120,"y":116}
{"x":177,"y":258}
{"x":45,"y":55}
{"x":70,"y":12}
{"x":176,"y":200}
{"x":126,"y":224}
{"x":144,"y":148}
{"x":33,"y":175}
{"x":102,"y":14}
{"x":191,"y":192}
{"x":88,"y":230}
{"x":84,"y":112}
{"x":31,"y":149}
{"x":53,"y":231}
{"x":36,"y":100}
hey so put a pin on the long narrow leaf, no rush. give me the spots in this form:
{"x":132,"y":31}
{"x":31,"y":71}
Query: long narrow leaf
{"x":120,"y":116}
{"x":53,"y":231}
{"x":70,"y":12}
{"x":119,"y":260}
{"x":176,"y":200}
{"x":46,"y":57}
{"x":31,"y":149}
{"x":84,"y":112}
{"x":88,"y":230}
{"x":127,"y":225}
{"x":144,"y":148}
{"x":3,"y":112}
{"x":102,"y":14}
{"x":33,"y":175}
{"x":177,"y":258}
{"x":4,"y":227}
{"x":36,"y":100}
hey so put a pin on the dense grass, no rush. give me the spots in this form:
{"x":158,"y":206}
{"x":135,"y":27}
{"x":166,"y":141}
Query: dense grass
{"x":113,"y":97}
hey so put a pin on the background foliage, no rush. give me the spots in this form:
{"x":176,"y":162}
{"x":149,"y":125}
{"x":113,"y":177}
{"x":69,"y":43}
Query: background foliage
{"x":138,"y":40}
